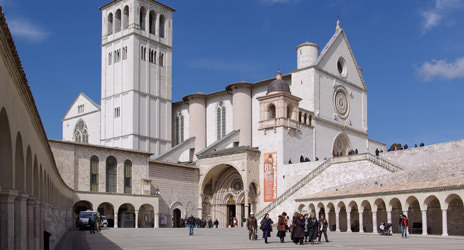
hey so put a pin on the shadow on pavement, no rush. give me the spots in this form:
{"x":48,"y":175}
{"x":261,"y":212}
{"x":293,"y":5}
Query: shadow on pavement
{"x":75,"y":239}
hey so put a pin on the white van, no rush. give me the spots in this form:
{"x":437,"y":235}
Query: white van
{"x":84,"y":219}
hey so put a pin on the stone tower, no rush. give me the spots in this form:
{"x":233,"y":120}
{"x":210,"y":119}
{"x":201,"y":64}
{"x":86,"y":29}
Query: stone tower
{"x":136,"y":75}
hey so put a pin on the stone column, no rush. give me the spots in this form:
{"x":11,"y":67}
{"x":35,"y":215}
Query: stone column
{"x":424,"y":222}
{"x":348,"y":221}
{"x":238,"y":214}
{"x":337,"y":219}
{"x":389,"y":217}
{"x":247,"y":206}
{"x":116,"y":219}
{"x":444,"y":220}
{"x":374,"y":222}
{"x":361,"y":226}
{"x":7,"y":208}
{"x":30,"y":223}
{"x":20,"y":220}
{"x":36,"y":229}
{"x":136,"y":217}
{"x":200,"y":206}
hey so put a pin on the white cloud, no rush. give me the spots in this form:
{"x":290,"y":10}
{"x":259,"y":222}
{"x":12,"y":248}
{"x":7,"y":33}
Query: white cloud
{"x":21,"y":28}
{"x":442,"y":69}
{"x":440,"y":11}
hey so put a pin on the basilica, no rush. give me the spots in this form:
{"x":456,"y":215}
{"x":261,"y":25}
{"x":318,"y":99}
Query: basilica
{"x":296,"y":141}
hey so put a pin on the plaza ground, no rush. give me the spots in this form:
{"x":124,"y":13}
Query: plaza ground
{"x":177,"y":238}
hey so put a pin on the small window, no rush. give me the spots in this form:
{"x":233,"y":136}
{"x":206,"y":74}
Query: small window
{"x":117,"y":55}
{"x":161,"y":60}
{"x":143,"y":53}
{"x":117,"y":112}
{"x":94,"y":174}
{"x":341,"y":67}
{"x":110,"y":58}
{"x":128,"y":177}
{"x":80,"y":108}
{"x":124,"y":53}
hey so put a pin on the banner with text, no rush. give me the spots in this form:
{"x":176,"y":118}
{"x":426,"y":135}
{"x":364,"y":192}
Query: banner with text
{"x":270,"y":176}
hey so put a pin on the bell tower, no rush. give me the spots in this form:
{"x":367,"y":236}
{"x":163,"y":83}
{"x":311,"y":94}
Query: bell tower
{"x":136,"y":75}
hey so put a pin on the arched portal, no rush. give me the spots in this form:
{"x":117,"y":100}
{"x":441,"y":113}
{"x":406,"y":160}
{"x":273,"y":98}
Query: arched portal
{"x":434,"y":215}
{"x":381,"y":213}
{"x":6,"y":152}
{"x":396,"y":212}
{"x":367,"y":216}
{"x":126,"y":215}
{"x":81,"y":206}
{"x":176,"y":218}
{"x":414,"y":215}
{"x":331,"y":216}
{"x":342,"y":217}
{"x":354,"y":217}
{"x":107,"y":209}
{"x":146,"y":216}
{"x":341,"y":145}
{"x":455,"y":215}
{"x":223,"y":193}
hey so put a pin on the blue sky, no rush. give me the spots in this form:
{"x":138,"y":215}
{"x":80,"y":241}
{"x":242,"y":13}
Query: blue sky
{"x":411,"y":53}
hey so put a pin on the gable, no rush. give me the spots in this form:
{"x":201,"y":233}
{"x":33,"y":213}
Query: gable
{"x":338,"y":48}
{"x":82,"y":105}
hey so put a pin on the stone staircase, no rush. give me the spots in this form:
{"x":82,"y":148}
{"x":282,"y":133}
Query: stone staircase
{"x":318,"y":170}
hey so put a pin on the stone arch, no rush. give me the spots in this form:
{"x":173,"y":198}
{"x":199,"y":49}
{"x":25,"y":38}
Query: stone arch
{"x":178,"y":212}
{"x":162,"y":26}
{"x":301,"y":208}
{"x":366,"y":209}
{"x":414,"y":215}
{"x":152,"y":22}
{"x":341,"y":145}
{"x":29,"y":172}
{"x":109,"y":26}
{"x":381,"y":209}
{"x":146,"y":216}
{"x":107,"y":209}
{"x":354,"y":216}
{"x":434,"y":215}
{"x":320,"y":210}
{"x":19,"y":168}
{"x":271,"y":111}
{"x":125,"y":17}
{"x":6,"y":152}
{"x":331,"y":216}
{"x":455,"y":214}
{"x":82,"y":205}
{"x":396,"y":211}
{"x":142,"y":17}
{"x":342,"y":216}
{"x":126,"y":215}
{"x":117,"y":21}
{"x":311,"y":208}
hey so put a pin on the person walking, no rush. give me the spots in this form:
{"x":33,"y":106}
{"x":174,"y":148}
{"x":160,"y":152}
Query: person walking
{"x":292,"y":226}
{"x":216,"y":223}
{"x":323,"y":224}
{"x":92,"y":221}
{"x":266,"y":227}
{"x":252,"y":225}
{"x":298,"y":230}
{"x":404,"y":226}
{"x":312,"y":227}
{"x":99,"y":221}
{"x":191,"y":224}
{"x":306,"y":230}
{"x":282,"y":226}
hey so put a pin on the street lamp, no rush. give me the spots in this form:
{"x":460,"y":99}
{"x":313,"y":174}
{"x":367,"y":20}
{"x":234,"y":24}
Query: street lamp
{"x":157,"y":191}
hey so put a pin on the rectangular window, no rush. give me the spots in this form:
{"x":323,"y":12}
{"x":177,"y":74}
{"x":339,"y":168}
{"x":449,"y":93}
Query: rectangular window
{"x":80,"y":108}
{"x":117,"y":55}
{"x":94,"y":174}
{"x":161,"y":60}
{"x":110,"y":58}
{"x":143,"y":53}
{"x":117,"y":112}
{"x":124,"y":53}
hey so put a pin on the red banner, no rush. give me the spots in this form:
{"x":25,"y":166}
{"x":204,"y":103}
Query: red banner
{"x":270,"y":176}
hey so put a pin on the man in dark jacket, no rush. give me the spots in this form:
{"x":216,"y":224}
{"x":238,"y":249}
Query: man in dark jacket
{"x":191,"y":224}
{"x":92,"y":222}
{"x":252,"y":225}
{"x":282,"y":226}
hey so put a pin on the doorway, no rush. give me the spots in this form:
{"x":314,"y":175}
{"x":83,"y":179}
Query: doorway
{"x":176,"y":218}
{"x":230,"y":211}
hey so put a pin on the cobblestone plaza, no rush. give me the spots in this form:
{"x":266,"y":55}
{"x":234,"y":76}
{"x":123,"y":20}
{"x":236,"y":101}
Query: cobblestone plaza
{"x":236,"y":238}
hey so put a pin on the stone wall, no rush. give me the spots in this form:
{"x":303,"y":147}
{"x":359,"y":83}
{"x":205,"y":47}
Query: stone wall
{"x":178,"y":186}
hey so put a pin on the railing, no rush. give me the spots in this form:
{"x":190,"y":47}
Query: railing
{"x":342,"y":159}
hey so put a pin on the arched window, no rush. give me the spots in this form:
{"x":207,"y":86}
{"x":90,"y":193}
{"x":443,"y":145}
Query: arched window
{"x":111,"y":172}
{"x":152,"y":22}
{"x":289,"y":112}
{"x":299,"y":117}
{"x":110,"y":24}
{"x":179,"y":128}
{"x":117,"y":21}
{"x":161,"y":59}
{"x":125,"y":18}
{"x":128,"y":177}
{"x":221,"y":121}
{"x":94,"y":174}
{"x":305,"y":118}
{"x":271,"y":111}
{"x":161,"y":26}
{"x":143,"y":14}
{"x":80,"y":132}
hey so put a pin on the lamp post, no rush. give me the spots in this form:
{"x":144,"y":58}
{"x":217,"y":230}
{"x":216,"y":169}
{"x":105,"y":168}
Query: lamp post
{"x":157,"y":191}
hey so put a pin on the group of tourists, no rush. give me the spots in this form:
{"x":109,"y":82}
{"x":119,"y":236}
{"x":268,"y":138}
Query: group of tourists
{"x":302,"y":228}
{"x":192,"y":222}
{"x":95,"y":222}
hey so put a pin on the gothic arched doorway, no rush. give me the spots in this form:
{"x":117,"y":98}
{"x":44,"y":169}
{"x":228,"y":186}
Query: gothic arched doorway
{"x":176,"y":218}
{"x":341,"y":145}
